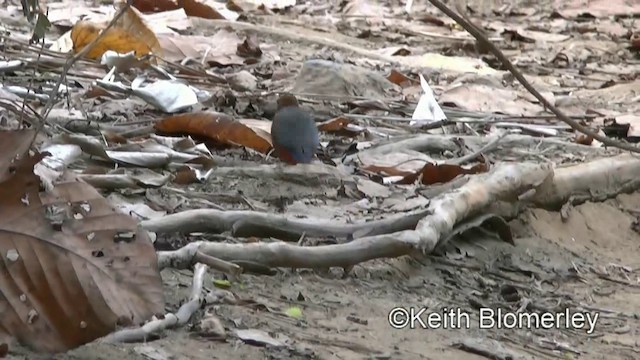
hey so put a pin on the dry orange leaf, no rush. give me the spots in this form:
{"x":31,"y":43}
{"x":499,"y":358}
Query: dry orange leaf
{"x":218,"y":127}
{"x":334,"y":125}
{"x":340,"y":126}
{"x":401,"y":80}
{"x":129,"y":34}
{"x":583,"y":139}
{"x":200,"y":9}
{"x":116,"y":39}
{"x":197,"y":8}
{"x":153,"y":6}
{"x":185,"y":176}
{"x":434,"y":173}
{"x":72,"y":269}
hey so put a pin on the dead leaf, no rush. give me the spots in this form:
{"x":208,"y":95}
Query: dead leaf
{"x":395,"y":51}
{"x":430,"y":19}
{"x":152,"y":6}
{"x":250,"y":47}
{"x":340,"y":126}
{"x":218,"y":127}
{"x":440,"y":173}
{"x":129,"y":34}
{"x":530,"y":36}
{"x":12,"y":144}
{"x":401,"y":79}
{"x":208,"y":9}
{"x":185,"y":175}
{"x":223,"y":47}
{"x":74,"y":269}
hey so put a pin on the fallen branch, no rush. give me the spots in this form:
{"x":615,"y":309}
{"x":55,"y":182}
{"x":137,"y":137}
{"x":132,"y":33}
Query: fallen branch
{"x":596,"y":180}
{"x":444,"y":211}
{"x":170,"y":320}
{"x":254,"y":223}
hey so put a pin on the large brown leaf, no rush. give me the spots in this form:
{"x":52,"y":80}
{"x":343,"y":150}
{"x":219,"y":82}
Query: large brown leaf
{"x":72,"y":269}
{"x":12,"y":144}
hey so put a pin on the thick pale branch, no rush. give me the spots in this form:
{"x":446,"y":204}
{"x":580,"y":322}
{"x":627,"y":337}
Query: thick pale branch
{"x":253,"y":223}
{"x":506,"y":181}
{"x":606,"y":177}
{"x":170,"y":320}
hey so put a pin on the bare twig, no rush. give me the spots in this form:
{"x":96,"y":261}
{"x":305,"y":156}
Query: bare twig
{"x":464,"y":21}
{"x":169,"y":320}
{"x":31,"y":80}
{"x":218,"y":264}
{"x":54,"y":92}
{"x":490,"y":146}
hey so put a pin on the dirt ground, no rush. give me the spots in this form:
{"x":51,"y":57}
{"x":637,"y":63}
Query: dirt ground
{"x":582,"y":261}
{"x":589,"y":263}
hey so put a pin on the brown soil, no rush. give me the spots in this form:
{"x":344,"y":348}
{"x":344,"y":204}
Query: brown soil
{"x":579,"y":262}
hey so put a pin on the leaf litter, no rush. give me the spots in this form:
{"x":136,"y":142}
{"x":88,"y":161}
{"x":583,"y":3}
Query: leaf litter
{"x":429,"y":148}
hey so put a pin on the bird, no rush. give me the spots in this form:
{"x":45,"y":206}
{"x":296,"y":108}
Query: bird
{"x":294,"y":134}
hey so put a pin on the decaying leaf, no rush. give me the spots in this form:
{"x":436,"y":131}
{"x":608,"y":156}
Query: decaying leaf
{"x":148,"y":6}
{"x":218,"y":127}
{"x":401,"y":79}
{"x":250,"y":47}
{"x":130,"y":34}
{"x":441,"y":173}
{"x":12,"y":144}
{"x":341,"y":126}
{"x":72,"y":269}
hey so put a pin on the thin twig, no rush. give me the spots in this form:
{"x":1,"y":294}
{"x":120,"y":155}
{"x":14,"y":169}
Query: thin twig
{"x":67,"y":66}
{"x":463,"y":159}
{"x":31,"y":80}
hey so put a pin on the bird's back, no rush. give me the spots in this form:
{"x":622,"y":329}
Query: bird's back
{"x":295,"y":132}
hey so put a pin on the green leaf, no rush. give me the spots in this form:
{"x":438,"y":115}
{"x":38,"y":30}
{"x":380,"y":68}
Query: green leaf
{"x":222,"y":283}
{"x":294,"y":312}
